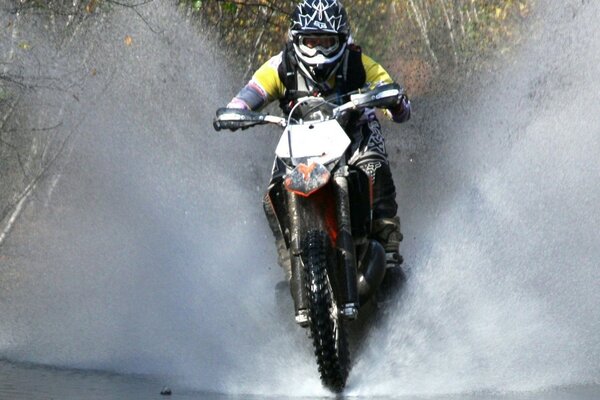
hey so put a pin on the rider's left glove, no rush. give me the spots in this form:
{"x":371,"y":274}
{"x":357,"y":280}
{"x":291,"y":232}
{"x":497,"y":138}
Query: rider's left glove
{"x":400,"y":112}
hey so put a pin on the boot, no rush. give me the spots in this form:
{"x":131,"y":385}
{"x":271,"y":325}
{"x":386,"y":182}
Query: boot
{"x":387,"y":232}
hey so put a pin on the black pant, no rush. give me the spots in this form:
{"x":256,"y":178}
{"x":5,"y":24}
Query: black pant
{"x":369,"y":154}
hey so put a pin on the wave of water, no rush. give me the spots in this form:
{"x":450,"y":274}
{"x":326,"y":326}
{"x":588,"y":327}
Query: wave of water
{"x":503,"y":294}
{"x":151,"y":255}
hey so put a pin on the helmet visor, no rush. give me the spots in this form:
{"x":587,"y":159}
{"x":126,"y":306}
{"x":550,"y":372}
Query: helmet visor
{"x":313,"y":44}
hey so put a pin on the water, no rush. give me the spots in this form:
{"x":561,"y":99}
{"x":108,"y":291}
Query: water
{"x":29,"y":382}
{"x":504,"y":243}
{"x":145,"y":251}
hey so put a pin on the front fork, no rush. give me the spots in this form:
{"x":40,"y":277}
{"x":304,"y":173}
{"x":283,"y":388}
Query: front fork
{"x":299,"y":209}
{"x":296,"y":281}
{"x":347,"y":265}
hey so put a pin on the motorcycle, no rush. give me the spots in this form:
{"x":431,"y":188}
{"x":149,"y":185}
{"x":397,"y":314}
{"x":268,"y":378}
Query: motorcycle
{"x":320,"y":210}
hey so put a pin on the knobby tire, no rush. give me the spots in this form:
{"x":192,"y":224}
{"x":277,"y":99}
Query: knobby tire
{"x":326,"y":324}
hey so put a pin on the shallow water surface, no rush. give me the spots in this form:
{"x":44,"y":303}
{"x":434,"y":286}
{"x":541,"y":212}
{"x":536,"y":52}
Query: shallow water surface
{"x":32,"y":382}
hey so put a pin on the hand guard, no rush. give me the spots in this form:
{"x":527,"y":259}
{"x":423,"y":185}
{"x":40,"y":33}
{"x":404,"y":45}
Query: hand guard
{"x":401,"y":101}
{"x":400,"y":111}
{"x":230,"y":125}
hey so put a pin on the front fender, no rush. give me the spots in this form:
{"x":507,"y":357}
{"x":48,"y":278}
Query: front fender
{"x":304,"y":180}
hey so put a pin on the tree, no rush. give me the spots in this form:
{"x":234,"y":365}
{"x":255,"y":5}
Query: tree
{"x":417,"y":39}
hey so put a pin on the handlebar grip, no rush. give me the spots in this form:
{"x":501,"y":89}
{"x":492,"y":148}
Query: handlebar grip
{"x":230,"y":125}
{"x":217,"y":124}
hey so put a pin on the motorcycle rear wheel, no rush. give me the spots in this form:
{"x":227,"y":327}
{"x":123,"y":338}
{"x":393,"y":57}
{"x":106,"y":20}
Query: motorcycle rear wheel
{"x":326,"y":323}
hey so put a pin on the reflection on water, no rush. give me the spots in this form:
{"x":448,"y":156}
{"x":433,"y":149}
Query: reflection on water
{"x":41,"y":383}
{"x":32,"y":382}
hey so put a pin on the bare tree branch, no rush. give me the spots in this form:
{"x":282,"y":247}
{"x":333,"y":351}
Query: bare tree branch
{"x":17,"y":80}
{"x":11,"y":212}
{"x":252,"y":56}
{"x":422,"y":24}
{"x":134,"y":5}
{"x":450,"y":27}
{"x":49,"y":128}
{"x":270,"y":5}
{"x":16,"y":212}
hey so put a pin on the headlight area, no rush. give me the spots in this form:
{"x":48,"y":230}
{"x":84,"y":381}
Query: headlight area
{"x":305,"y":180}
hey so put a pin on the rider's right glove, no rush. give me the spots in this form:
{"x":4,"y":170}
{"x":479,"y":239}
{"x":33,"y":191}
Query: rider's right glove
{"x":230,"y":125}
{"x":220,"y":125}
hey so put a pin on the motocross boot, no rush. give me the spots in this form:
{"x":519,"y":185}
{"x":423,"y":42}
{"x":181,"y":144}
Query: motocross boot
{"x":387,"y":232}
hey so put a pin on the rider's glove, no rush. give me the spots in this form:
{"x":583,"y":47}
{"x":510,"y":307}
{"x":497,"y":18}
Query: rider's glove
{"x":230,"y":125}
{"x":400,"y":112}
{"x":220,"y":125}
{"x":236,"y":103}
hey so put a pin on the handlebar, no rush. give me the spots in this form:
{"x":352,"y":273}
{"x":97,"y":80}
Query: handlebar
{"x":384,"y":96}
{"x":233,"y":118}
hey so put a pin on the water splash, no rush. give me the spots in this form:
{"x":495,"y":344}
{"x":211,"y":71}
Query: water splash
{"x":504,"y":252}
{"x":150,"y":254}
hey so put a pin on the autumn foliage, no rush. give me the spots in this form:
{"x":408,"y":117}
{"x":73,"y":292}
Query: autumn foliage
{"x":415,"y":39}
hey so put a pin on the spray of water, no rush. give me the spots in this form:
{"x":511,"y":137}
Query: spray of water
{"x":503,"y":293}
{"x":147,"y":250}
{"x":151,"y":255}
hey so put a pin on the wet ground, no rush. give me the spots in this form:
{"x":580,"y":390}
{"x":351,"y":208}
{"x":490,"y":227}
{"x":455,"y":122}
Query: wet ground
{"x":42,"y":383}
{"x":32,"y":382}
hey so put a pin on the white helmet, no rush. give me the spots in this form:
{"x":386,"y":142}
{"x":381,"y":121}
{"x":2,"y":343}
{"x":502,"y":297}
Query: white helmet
{"x":320,"y":33}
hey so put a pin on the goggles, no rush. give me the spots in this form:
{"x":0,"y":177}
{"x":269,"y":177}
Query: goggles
{"x":312,"y":44}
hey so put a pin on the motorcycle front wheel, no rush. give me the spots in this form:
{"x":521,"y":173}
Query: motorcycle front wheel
{"x":325,"y":321}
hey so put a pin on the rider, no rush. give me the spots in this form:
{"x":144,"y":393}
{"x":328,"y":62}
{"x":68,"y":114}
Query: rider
{"x":320,"y":59}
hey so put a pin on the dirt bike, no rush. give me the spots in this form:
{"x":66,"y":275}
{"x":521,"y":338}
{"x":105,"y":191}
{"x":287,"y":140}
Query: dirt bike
{"x":319,"y":208}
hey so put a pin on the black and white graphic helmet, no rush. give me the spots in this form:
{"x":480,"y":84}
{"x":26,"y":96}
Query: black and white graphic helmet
{"x":320,"y":32}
